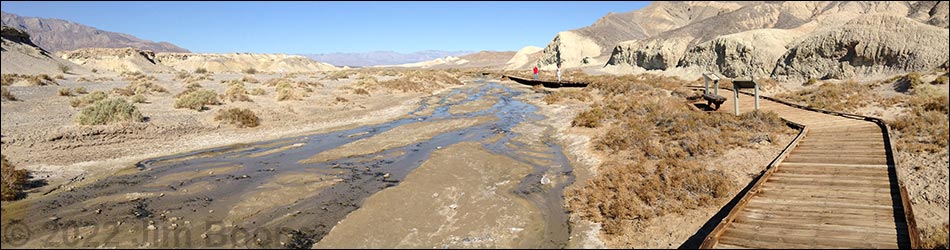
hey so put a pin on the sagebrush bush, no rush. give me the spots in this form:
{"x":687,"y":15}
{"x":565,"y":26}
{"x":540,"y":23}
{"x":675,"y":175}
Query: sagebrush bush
{"x":236,"y":93}
{"x":88,"y":99}
{"x":109,"y":111}
{"x":13,"y":181}
{"x":238,"y":116}
{"x":7,"y":95}
{"x":197,"y":99}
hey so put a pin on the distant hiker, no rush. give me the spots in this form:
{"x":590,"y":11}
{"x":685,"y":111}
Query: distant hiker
{"x":535,"y":73}
{"x":558,"y":72}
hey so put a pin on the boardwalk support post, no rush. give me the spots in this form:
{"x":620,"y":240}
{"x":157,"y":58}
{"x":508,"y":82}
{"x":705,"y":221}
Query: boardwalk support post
{"x":744,"y":84}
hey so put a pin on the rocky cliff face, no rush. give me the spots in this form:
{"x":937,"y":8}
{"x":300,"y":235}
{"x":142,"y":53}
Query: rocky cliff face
{"x":866,"y":45}
{"x":61,"y":35}
{"x":749,"y":40}
{"x":239,"y":62}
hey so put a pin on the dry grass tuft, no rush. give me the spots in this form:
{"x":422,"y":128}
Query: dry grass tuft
{"x":420,"y":81}
{"x":925,"y":126}
{"x":240,"y":117}
{"x":935,"y":237}
{"x":286,"y":92}
{"x":81,"y":91}
{"x":109,"y":111}
{"x":140,"y":86}
{"x":31,"y":80}
{"x":197,"y":99}
{"x":337,"y":75}
{"x":13,"y":181}
{"x":361,"y":91}
{"x":258,"y":91}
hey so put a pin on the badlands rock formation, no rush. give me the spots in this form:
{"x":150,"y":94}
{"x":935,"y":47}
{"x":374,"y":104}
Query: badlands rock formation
{"x":867,"y":45}
{"x":239,"y":62}
{"x":21,"y":56}
{"x":749,"y":38}
{"x":59,"y":35}
{"x":116,"y":60}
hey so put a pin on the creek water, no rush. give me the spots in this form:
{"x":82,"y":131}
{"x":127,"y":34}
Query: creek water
{"x":176,"y":200}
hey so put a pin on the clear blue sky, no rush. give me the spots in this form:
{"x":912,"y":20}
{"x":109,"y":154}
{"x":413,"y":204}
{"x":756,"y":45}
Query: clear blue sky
{"x":323,"y":27}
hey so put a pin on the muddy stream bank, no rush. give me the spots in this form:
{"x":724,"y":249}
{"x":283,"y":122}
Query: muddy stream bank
{"x":469,"y":168}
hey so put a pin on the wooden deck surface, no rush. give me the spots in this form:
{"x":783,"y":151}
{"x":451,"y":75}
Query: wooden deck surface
{"x":837,"y":187}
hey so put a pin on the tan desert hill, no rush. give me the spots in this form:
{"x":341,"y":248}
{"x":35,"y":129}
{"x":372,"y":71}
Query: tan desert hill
{"x":526,"y":57}
{"x":240,"y":62}
{"x":59,"y":35}
{"x":21,"y":56}
{"x":117,"y":60}
{"x":481,"y":59}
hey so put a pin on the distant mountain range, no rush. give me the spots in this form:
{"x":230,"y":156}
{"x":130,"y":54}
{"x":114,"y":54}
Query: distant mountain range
{"x":61,"y":35}
{"x":375,"y":58}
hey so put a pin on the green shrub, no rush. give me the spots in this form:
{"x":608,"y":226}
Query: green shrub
{"x":13,"y":181}
{"x":197,"y":99}
{"x":91,"y":98}
{"x":240,"y":117}
{"x":109,"y":111}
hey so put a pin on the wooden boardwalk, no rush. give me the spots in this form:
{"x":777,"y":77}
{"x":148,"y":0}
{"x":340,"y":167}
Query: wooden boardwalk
{"x":836,"y":186}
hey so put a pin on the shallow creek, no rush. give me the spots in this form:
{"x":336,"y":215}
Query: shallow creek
{"x":273,"y":194}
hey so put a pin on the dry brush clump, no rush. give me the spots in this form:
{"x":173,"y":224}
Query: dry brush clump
{"x":238,"y":116}
{"x":64,"y":92}
{"x":420,"y":81}
{"x":285,"y":92}
{"x":140,"y":86}
{"x":924,"y":127}
{"x":90,"y":98}
{"x":845,"y":96}
{"x":109,"y":111}
{"x":196,"y":99}
{"x":337,"y":75}
{"x":567,"y":94}
{"x":655,"y":147}
{"x":7,"y":96}
{"x":236,"y":92}
{"x":31,"y":80}
{"x":13,"y":181}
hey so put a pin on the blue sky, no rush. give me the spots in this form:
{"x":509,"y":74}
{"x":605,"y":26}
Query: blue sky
{"x":324,"y":27}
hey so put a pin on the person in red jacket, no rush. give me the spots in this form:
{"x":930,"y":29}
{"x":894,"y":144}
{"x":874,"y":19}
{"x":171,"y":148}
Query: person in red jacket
{"x":535,"y":73}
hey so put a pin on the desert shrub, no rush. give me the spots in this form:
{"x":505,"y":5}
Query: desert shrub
{"x":941,"y":80}
{"x":258,"y":91}
{"x":181,"y":75}
{"x":361,"y":91}
{"x":924,"y":127}
{"x":63,"y":68}
{"x":249,"y":79}
{"x":935,"y":237}
{"x":64,"y":92}
{"x":81,"y":90}
{"x":590,"y":118}
{"x":250,"y":71}
{"x":337,"y":75}
{"x":273,"y":82}
{"x":285,"y":92}
{"x":624,"y":192}
{"x":59,"y":77}
{"x":419,"y":81}
{"x":90,"y":98}
{"x":108,"y":111}
{"x":7,"y":95}
{"x":41,"y":80}
{"x":197,"y":99}
{"x":95,"y":71}
{"x":309,"y":84}
{"x":138,"y":99}
{"x":201,"y":71}
{"x":810,"y":82}
{"x":340,"y":99}
{"x":140,"y":87}
{"x":845,"y":96}
{"x":9,"y":79}
{"x":236,"y":92}
{"x":240,"y":117}
{"x":13,"y":181}
{"x":574,"y":94}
